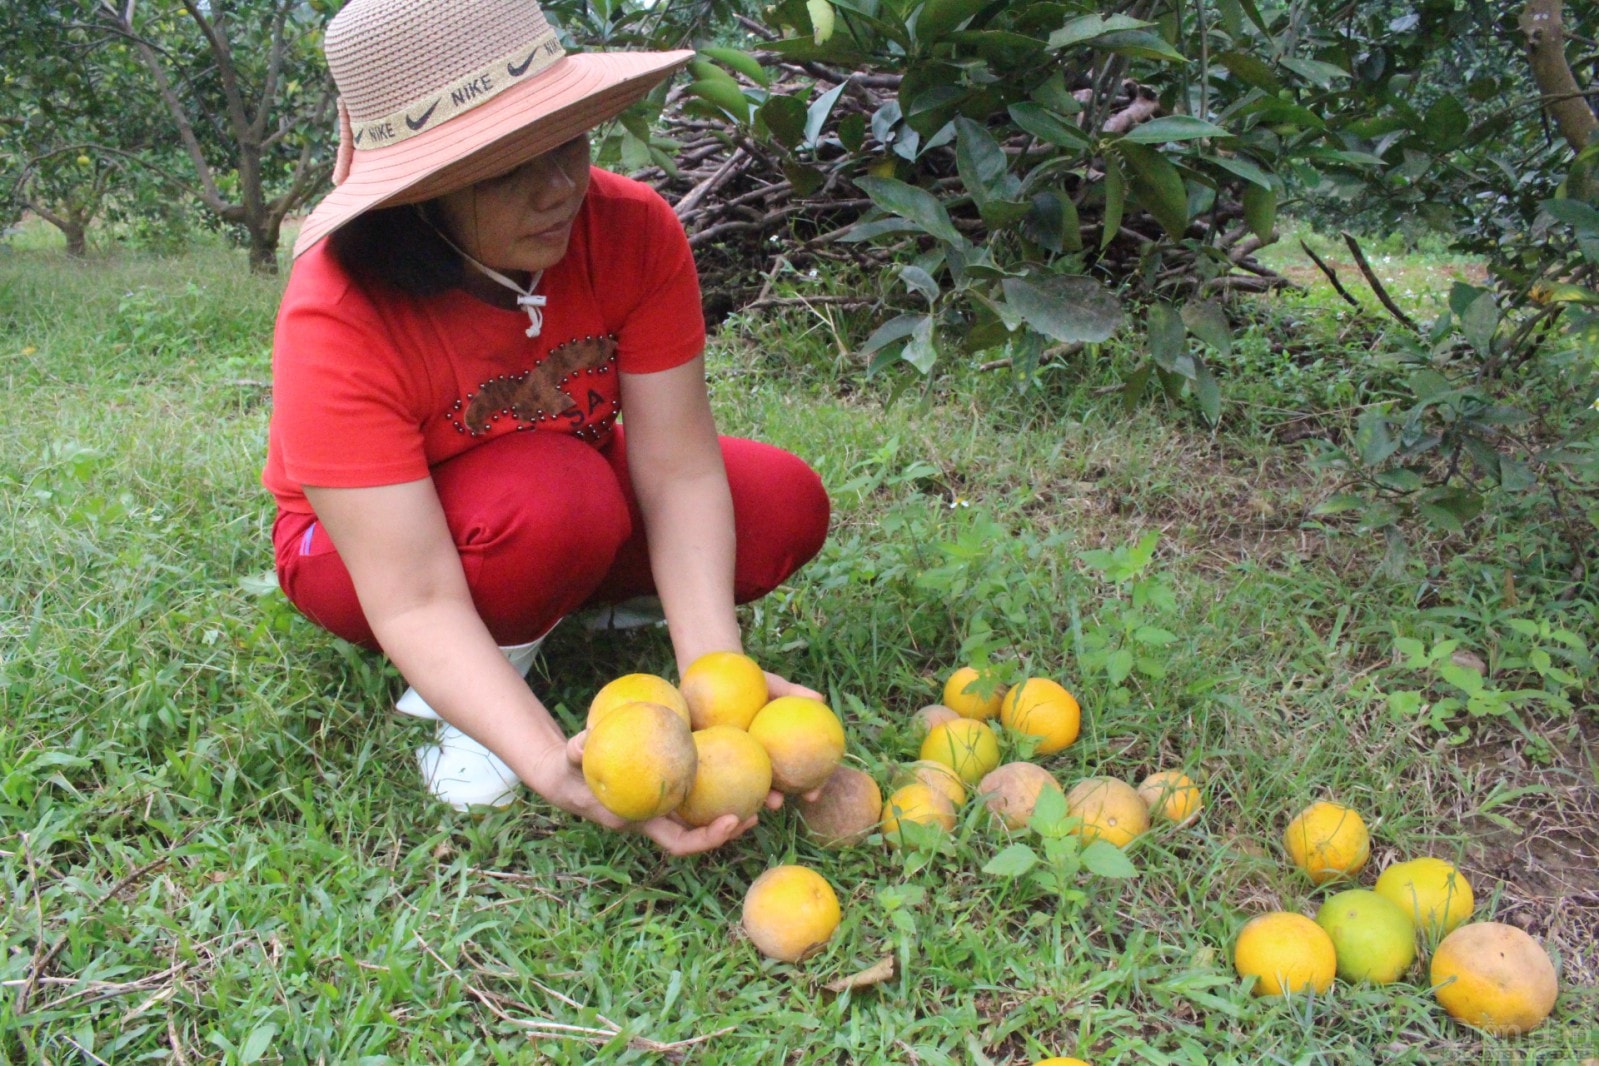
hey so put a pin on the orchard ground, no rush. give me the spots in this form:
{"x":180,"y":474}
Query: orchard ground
{"x":216,"y":846}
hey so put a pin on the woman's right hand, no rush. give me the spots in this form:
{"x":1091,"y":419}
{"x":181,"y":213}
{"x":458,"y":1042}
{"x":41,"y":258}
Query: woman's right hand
{"x":559,"y":779}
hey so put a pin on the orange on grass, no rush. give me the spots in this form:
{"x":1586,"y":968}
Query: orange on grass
{"x":804,"y":738}
{"x":723,"y":688}
{"x":846,"y":810}
{"x":964,"y":693}
{"x":1494,"y":977}
{"x":919,"y":804}
{"x":1172,"y":796}
{"x":1438,"y":896}
{"x":1327,"y":840}
{"x":1284,"y":953}
{"x":733,"y":776}
{"x":630,"y":688}
{"x":934,"y":714}
{"x":1374,"y":936}
{"x":790,"y":913}
{"x":934,"y":774}
{"x":639,"y":761}
{"x":1110,"y":810}
{"x":1041,"y":708}
{"x":1011,"y":791}
{"x":967,"y":746}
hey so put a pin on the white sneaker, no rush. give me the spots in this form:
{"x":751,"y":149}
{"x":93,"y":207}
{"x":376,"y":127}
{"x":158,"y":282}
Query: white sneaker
{"x":520,"y":657}
{"x":464,"y":773}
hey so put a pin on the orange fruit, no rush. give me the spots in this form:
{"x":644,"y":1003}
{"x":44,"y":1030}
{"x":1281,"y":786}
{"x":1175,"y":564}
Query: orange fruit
{"x":934,"y":714}
{"x":630,"y":688}
{"x":1282,"y":953}
{"x":936,"y":775}
{"x":1494,"y":977}
{"x":917,"y":803}
{"x":1011,"y":791}
{"x":1437,"y":895}
{"x":964,"y":694}
{"x":639,"y":761}
{"x":1110,"y":810}
{"x":804,"y":738}
{"x":1040,"y":708}
{"x":790,"y":913}
{"x":1374,"y":936}
{"x":733,"y":775}
{"x":1059,"y":1061}
{"x":1327,"y":840}
{"x":1172,"y":796}
{"x":967,"y":746}
{"x":845,"y":812}
{"x":723,"y":688}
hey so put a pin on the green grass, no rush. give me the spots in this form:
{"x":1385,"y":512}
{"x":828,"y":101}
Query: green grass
{"x":214,"y":846}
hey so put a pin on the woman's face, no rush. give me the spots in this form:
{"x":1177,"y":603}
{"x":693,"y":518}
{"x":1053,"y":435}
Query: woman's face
{"x":522,"y":219}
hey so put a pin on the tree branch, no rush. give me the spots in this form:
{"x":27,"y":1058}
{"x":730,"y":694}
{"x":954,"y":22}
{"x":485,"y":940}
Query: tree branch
{"x":1543,"y":24}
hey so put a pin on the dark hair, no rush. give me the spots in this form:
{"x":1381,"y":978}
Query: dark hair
{"x":396,"y":247}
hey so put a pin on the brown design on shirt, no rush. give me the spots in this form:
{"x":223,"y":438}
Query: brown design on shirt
{"x":538,"y":395}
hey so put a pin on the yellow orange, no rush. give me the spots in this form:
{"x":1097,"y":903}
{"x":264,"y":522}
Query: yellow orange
{"x":1494,"y":977}
{"x":1282,"y":953}
{"x":967,"y":746}
{"x":733,"y":776}
{"x":1327,"y":841}
{"x":1438,"y":896}
{"x":639,"y":761}
{"x":804,"y":738}
{"x":916,"y":803}
{"x":936,"y":775}
{"x":932,"y":715}
{"x":972,"y":695}
{"x":790,"y":913}
{"x":1110,"y":810}
{"x":1041,"y":708}
{"x":1171,"y":795}
{"x":723,"y":688}
{"x":1011,"y":791}
{"x":630,"y":688}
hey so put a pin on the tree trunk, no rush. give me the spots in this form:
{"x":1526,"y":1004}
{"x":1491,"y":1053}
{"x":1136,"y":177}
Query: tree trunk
{"x":77,"y":240}
{"x":1543,"y":24}
{"x":263,"y":249}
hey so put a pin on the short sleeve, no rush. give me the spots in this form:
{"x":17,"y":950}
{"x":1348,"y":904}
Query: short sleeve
{"x":342,"y":415}
{"x":650,"y":289}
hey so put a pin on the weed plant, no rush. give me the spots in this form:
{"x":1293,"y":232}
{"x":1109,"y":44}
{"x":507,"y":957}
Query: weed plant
{"x":214,"y":846}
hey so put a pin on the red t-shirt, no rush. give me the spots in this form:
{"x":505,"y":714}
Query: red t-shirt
{"x":374,"y":387}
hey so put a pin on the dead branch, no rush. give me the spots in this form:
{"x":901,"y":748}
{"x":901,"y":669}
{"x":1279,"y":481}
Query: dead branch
{"x":1332,"y":276}
{"x":1376,"y":284}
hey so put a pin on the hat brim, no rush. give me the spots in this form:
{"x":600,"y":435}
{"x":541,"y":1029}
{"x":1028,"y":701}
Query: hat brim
{"x":577,"y":93}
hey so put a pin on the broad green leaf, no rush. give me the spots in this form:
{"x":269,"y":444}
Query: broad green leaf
{"x":1168,"y":340}
{"x":981,"y":162}
{"x":1065,"y":307}
{"x":1047,"y":126}
{"x":816,"y":114}
{"x":1052,"y":222}
{"x":1480,"y":322}
{"x":258,"y":1043}
{"x":919,"y":281}
{"x":1014,"y":861}
{"x":1250,"y":69}
{"x":1206,"y":320}
{"x":852,"y":131}
{"x":1115,"y":202}
{"x":1157,"y":186}
{"x":1582,"y":217}
{"x":1173,"y":128}
{"x":724,"y":94}
{"x":915,"y":204}
{"x":897,"y":328}
{"x":1319,"y":74}
{"x":939,"y":17}
{"x":1107,"y":860}
{"x":821,"y":13}
{"x":1243,"y":168}
{"x":785,"y":118}
{"x":921,"y":351}
{"x":1260,"y":210}
{"x":1135,"y":385}
{"x":1445,"y":124}
{"x":740,"y":61}
{"x":1373,"y":441}
{"x":1087,"y":27}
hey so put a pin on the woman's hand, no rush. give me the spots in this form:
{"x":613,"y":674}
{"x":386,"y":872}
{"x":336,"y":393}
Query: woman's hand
{"x":561,"y":782}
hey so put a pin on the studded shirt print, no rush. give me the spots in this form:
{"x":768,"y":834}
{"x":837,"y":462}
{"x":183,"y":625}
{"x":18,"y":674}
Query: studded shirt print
{"x":575,"y":384}
{"x":377,"y":388}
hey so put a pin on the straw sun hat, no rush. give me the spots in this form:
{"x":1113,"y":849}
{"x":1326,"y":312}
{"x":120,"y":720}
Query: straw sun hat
{"x":435,"y":95}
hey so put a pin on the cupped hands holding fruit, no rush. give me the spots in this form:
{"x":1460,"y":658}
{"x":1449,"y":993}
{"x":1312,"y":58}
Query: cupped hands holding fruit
{"x":689,"y":766}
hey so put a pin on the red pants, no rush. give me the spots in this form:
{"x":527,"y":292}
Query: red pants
{"x":547,"y":524}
